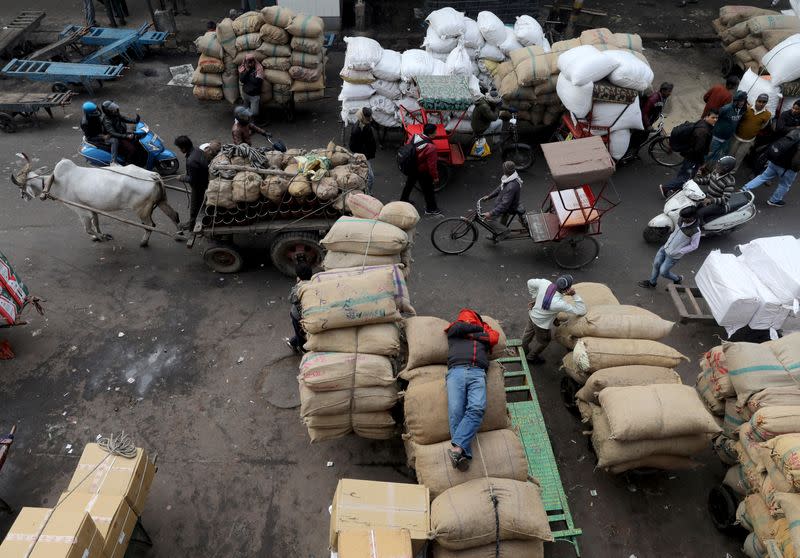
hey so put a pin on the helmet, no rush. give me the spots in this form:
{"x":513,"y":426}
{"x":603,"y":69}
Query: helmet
{"x":242,"y":114}
{"x":89,"y":107}
{"x":110,"y":107}
{"x":726,"y":164}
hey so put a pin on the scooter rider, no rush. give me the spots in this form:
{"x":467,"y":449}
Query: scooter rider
{"x":92,"y":126}
{"x":115,"y":125}
{"x":243,"y":127}
{"x":721,"y":184}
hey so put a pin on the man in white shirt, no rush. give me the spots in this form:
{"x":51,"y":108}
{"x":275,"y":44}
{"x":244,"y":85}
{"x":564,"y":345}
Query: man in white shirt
{"x":548,"y":301}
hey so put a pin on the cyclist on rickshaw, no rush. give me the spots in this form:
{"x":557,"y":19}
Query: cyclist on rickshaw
{"x":508,"y":203}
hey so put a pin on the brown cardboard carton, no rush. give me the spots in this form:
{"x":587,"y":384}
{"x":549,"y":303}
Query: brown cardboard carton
{"x":48,"y":533}
{"x":578,"y":162}
{"x":101,"y":473}
{"x":360,"y":504}
{"x":111,"y":514}
{"x":380,"y":542}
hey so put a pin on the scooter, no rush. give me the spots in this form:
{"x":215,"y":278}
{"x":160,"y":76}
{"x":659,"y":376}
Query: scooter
{"x":151,"y":153}
{"x":741,"y":209}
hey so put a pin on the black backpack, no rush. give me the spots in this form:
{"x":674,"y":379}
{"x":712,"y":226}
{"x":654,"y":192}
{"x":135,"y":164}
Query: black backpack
{"x":681,"y":138}
{"x":407,"y":156}
{"x":780,"y":152}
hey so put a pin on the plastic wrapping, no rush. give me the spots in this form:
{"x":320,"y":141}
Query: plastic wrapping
{"x":733,"y":302}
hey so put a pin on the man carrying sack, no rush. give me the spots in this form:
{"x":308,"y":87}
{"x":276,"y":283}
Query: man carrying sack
{"x":548,"y":301}
{"x":469,"y":341}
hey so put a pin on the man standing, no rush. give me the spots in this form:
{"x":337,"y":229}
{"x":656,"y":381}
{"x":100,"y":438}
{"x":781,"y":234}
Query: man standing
{"x":547,"y":301}
{"x":788,"y":120}
{"x":729,"y":117}
{"x":196,"y":177}
{"x":251,"y":76}
{"x":784,"y":163}
{"x":303,"y":272}
{"x":694,"y":155}
{"x":469,"y":342}
{"x":362,"y":140}
{"x":508,"y":205}
{"x":651,"y":110}
{"x":684,"y":239}
{"x":424,"y":170}
{"x":755,"y":119}
{"x":720,"y":95}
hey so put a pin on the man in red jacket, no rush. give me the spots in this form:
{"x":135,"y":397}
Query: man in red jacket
{"x":469,"y":341}
{"x":426,"y":171}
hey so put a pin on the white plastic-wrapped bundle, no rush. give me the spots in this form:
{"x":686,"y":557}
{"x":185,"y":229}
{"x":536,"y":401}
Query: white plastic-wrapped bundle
{"x":776,"y":261}
{"x":492,"y":28}
{"x":632,"y":72}
{"x":528,"y":31}
{"x":389,"y":66}
{"x":576,"y":98}
{"x":782,"y":61}
{"x":362,"y":53}
{"x":754,"y":85}
{"x":733,"y":302}
{"x":447,"y":22}
{"x":617,"y":116}
{"x":771,"y":312}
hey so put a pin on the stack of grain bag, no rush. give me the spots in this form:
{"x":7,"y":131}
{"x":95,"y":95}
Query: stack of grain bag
{"x":759,"y":288}
{"x":276,"y":52}
{"x":308,"y":57}
{"x":207,"y":78}
{"x":228,"y":46}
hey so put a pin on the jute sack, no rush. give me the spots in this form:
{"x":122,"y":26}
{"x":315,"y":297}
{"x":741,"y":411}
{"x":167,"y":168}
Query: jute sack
{"x":786,"y":455}
{"x":364,"y":206}
{"x":250,"y":41}
{"x":401,"y":214}
{"x":790,"y":504}
{"x":303,"y":25}
{"x":277,"y":16}
{"x":206,"y":80}
{"x":427,"y":341}
{"x":207,"y":93}
{"x":663,"y":462}
{"x":398,"y":279}
{"x":621,"y":376}
{"x":655,"y":412}
{"x":593,"y":294}
{"x":614,"y":452}
{"x":787,"y":351}
{"x":531,"y":65}
{"x":464,"y":516}
{"x":571,"y":369}
{"x":326,"y":189}
{"x":338,"y":260}
{"x":376,"y":339}
{"x":365,"y":236}
{"x":377,"y":426}
{"x":274,"y":188}
{"x":758,"y":516}
{"x":364,"y":400}
{"x":618,"y":321}
{"x":782,"y":531}
{"x":270,"y":50}
{"x":306,"y":60}
{"x":278,"y":77}
{"x":349,"y":302}
{"x":425,"y":407}
{"x":273,"y":34}
{"x":246,"y":186}
{"x":726,"y":449}
{"x":210,"y":65}
{"x":282,"y":63}
{"x":768,"y":422}
{"x":430,"y":371}
{"x":327,"y":371}
{"x":775,"y":397}
{"x":220,"y":193}
{"x":753,"y":367}
{"x":499,"y":453}
{"x":508,"y":549}
{"x":248,"y":22}
{"x":703,"y":387}
{"x":735,"y":479}
{"x":311,"y":45}
{"x":595,"y":353}
{"x":208,"y":45}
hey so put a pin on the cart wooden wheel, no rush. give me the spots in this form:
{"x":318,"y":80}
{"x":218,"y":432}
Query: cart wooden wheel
{"x":7,"y":123}
{"x":223,"y":259}
{"x":576,"y":251}
{"x":288,"y":247}
{"x":444,"y":177}
{"x":60,"y":87}
{"x":722,"y":507}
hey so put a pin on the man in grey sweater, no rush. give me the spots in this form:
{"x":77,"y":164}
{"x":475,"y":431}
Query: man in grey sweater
{"x":684,"y":239}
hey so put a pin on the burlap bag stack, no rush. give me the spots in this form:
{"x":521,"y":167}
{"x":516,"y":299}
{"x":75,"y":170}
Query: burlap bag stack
{"x":207,"y":78}
{"x":308,"y":57}
{"x":748,"y":33}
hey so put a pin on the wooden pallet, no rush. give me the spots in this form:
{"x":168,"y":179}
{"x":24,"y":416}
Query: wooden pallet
{"x":16,"y":31}
{"x":681,"y":295}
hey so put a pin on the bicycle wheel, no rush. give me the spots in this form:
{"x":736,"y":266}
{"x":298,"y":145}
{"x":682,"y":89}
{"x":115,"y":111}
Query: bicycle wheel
{"x":520,"y":153}
{"x":454,"y":236}
{"x":662,"y":153}
{"x":576,"y":251}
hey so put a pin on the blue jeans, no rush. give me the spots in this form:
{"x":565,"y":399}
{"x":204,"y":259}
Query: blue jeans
{"x":466,"y":403}
{"x":773,"y":171}
{"x":88,"y":12}
{"x":687,"y":171}
{"x":370,"y":178}
{"x":719,"y":147}
{"x":662,"y":265}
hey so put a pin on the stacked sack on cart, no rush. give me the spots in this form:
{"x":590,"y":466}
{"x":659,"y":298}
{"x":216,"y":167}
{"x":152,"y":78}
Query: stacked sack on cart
{"x":462,"y":514}
{"x":759,"y":288}
{"x":289,"y":46}
{"x":250,"y":184}
{"x":756,"y":387}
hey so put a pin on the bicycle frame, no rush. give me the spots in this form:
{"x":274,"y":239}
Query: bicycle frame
{"x":513,"y":233}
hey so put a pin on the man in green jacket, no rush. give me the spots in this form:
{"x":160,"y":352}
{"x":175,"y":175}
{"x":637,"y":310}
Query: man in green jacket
{"x":486,"y":115}
{"x":729,"y":117}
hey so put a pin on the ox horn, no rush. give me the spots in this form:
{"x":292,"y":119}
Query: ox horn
{"x":21,"y":177}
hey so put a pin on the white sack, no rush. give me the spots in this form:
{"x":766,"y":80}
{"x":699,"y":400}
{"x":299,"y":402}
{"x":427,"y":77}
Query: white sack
{"x":510,"y":43}
{"x":623,"y":117}
{"x":384,"y":111}
{"x":472,"y":34}
{"x":733,"y":302}
{"x":440,"y":56}
{"x":776,"y":261}
{"x":492,"y":28}
{"x":528,"y":31}
{"x":409,"y":103}
{"x":434,"y":43}
{"x":439,"y":68}
{"x":388,"y":67}
{"x":362,"y":53}
{"x":632,"y":72}
{"x":577,"y":99}
{"x":771,"y":312}
{"x":447,"y":22}
{"x":754,"y":85}
{"x":491,"y":52}
{"x":546,"y":45}
{"x":388,"y":89}
{"x":459,"y":63}
{"x":415,"y":63}
{"x":585,"y":64}
{"x":618,"y":142}
{"x":350,"y":108}
{"x":355,"y":91}
{"x":783,"y":61}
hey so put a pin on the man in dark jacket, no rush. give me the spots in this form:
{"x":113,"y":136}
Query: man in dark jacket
{"x":486,"y":115}
{"x":694,"y":157}
{"x":729,"y":117}
{"x":788,"y":120}
{"x":116,"y":126}
{"x":362,"y":140}
{"x":92,"y":126}
{"x":470,"y":341}
{"x":785,"y":171}
{"x":426,"y":172}
{"x":508,"y":205}
{"x":251,"y":76}
{"x":196,"y":177}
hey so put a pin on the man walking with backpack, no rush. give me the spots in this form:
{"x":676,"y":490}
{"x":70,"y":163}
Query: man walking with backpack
{"x":784,"y":162}
{"x":417,"y":160}
{"x":691,"y":140}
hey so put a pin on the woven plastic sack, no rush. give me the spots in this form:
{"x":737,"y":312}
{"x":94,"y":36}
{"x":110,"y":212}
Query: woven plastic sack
{"x":585,"y":64}
{"x":472,"y":34}
{"x":389,"y":66}
{"x":459,"y":62}
{"x":362,"y":53}
{"x":576,"y":98}
{"x":416,"y":63}
{"x":528,"y":31}
{"x":631,"y":72}
{"x":446,"y":22}
{"x":492,"y":28}
{"x":436,"y":44}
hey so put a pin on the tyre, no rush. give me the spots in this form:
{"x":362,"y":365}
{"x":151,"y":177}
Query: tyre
{"x":167,"y":167}
{"x":60,"y":87}
{"x":444,"y":177}
{"x":454,"y":236}
{"x":568,"y":389}
{"x":7,"y":123}
{"x":656,"y":235}
{"x":223,"y":259}
{"x":722,"y":507}
{"x":287,"y":247}
{"x":520,"y":153}
{"x":576,"y":251}
{"x":662,"y":153}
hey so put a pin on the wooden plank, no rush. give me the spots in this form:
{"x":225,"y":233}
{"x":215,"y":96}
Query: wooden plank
{"x":693,"y":300}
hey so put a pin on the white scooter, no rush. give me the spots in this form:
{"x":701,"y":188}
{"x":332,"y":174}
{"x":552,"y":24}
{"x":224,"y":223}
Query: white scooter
{"x":740,"y":210}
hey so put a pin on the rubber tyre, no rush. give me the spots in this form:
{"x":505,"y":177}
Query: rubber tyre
{"x":7,"y":123}
{"x":223,"y":259}
{"x":568,"y":388}
{"x":447,"y":228}
{"x":722,"y":504}
{"x":520,"y":153}
{"x":168,"y":167}
{"x":662,"y":154}
{"x":287,"y":246}
{"x":444,"y":177}
{"x":588,"y":246}
{"x":60,"y":87}
{"x":656,"y":235}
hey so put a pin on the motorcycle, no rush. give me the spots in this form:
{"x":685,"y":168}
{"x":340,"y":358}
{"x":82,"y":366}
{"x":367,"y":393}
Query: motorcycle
{"x":741,"y":209}
{"x":151,"y":153}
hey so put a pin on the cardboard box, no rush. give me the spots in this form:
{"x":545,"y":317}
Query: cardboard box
{"x":111,"y":514}
{"x":360,"y":504}
{"x":47,"y":533}
{"x":578,"y":162}
{"x":101,"y":473}
{"x":380,"y":542}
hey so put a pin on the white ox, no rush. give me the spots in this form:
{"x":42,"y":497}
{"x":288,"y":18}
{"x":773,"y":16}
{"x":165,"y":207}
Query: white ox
{"x":108,"y":189}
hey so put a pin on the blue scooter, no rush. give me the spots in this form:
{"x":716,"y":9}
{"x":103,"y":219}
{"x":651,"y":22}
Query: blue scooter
{"x":159,"y":158}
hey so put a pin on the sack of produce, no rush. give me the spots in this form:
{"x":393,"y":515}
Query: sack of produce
{"x":208,"y":45}
{"x":210,"y":65}
{"x":207,"y":93}
{"x":427,"y":340}
{"x":595,"y":353}
{"x":775,"y":397}
{"x":401,"y":214}
{"x":246,"y":186}
{"x":376,"y":426}
{"x":303,"y":25}
{"x":326,"y":189}
{"x":269,"y":50}
{"x":279,"y":16}
{"x":248,"y":22}
{"x":220,"y":193}
{"x":273,"y":34}
{"x":300,"y":186}
{"x":376,"y":339}
{"x":400,"y":288}
{"x":206,"y":80}
{"x":346,"y":401}
{"x":617,"y":321}
{"x":622,"y":376}
{"x":328,"y":371}
{"x":251,"y":41}
{"x":446,"y":22}
{"x":365,"y":236}
{"x":509,"y":549}
{"x":585,"y":64}
{"x":339,"y":260}
{"x":786,"y":455}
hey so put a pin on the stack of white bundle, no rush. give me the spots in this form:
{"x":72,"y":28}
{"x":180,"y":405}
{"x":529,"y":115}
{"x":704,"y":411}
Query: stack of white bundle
{"x":308,"y":57}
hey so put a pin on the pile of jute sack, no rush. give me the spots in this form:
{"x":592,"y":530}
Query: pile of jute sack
{"x":289,"y":46}
{"x":755,"y":388}
{"x":462,"y":513}
{"x":639,"y":413}
{"x":351,"y":313}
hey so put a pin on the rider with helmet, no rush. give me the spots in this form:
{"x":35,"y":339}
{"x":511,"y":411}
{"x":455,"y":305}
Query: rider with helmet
{"x":115,"y":125}
{"x":243,"y":126}
{"x":92,"y":126}
{"x":720,"y":184}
